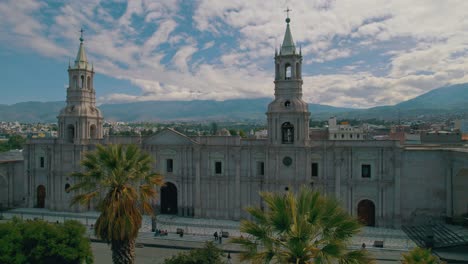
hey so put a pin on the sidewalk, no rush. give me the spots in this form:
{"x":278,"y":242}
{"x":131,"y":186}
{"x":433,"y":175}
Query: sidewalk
{"x":197,"y":231}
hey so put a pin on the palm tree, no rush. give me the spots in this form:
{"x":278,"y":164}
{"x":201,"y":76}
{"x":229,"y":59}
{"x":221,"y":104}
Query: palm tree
{"x":419,"y":255}
{"x":122,"y":175}
{"x":307,"y":228}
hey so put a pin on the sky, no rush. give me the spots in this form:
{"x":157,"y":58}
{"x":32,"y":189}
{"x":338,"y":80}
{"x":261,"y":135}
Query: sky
{"x":359,"y":53}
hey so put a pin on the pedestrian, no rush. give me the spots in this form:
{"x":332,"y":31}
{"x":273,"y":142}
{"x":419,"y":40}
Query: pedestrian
{"x":215,"y":235}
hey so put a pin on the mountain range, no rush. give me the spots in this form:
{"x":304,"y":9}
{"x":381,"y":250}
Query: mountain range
{"x":440,"y":101}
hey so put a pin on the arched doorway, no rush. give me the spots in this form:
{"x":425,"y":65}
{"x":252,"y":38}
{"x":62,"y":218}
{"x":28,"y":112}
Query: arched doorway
{"x":169,"y":199}
{"x":41,"y":194}
{"x":366,"y":212}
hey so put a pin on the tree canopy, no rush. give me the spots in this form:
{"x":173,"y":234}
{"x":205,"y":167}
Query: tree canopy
{"x":420,"y":255}
{"x":14,"y":142}
{"x":209,"y":254}
{"x":41,"y":242}
{"x":299,"y":228}
{"x":121,"y":182}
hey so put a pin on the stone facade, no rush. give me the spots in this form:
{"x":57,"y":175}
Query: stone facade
{"x":12,"y":182}
{"x":381,"y":182}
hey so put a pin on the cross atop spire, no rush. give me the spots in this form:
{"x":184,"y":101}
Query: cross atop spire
{"x":287,"y":12}
{"x":81,"y":37}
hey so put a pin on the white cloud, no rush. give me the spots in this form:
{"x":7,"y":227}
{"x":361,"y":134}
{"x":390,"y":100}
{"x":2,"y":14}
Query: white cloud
{"x":162,"y":49}
{"x":182,"y":57}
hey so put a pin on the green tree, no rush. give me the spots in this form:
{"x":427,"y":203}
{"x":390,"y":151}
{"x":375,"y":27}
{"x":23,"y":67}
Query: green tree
{"x":233,"y":132}
{"x":242,"y":134}
{"x":209,"y":254}
{"x":123,"y":176}
{"x":16,"y":142}
{"x":420,"y":256}
{"x":302,"y":228}
{"x":41,"y":242}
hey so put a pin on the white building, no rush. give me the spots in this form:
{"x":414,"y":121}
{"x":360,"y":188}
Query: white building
{"x":343,"y":131}
{"x":380,"y":182}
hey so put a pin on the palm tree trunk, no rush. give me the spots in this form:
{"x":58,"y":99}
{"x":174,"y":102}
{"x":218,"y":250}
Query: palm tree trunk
{"x":123,"y":251}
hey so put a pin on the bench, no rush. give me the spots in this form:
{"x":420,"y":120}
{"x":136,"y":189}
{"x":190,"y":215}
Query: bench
{"x":378,"y":243}
{"x":179,"y":231}
{"x":225,"y":234}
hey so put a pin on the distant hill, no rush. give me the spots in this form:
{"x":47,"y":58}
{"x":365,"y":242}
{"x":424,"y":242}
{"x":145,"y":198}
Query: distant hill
{"x":32,"y":112}
{"x":436,"y":102}
{"x":441,"y":101}
{"x":229,"y":110}
{"x":445,"y":98}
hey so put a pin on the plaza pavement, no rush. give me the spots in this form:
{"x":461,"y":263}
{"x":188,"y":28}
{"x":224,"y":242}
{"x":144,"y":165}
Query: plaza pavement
{"x":198,"y":231}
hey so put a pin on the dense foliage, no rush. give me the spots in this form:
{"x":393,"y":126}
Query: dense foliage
{"x":209,"y":254}
{"x":41,"y":242}
{"x":14,"y":142}
{"x":420,"y":255}
{"x":120,"y":181}
{"x":299,"y":228}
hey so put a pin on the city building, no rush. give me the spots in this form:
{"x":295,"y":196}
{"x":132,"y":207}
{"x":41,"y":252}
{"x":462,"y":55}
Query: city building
{"x":344,"y":131}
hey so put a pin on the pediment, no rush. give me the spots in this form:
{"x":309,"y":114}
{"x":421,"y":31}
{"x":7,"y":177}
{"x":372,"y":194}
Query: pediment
{"x":169,"y":137}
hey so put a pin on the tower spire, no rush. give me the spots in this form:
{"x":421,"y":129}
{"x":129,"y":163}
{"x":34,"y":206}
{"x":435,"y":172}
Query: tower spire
{"x":288,"y":46}
{"x":288,"y":114}
{"x":81,"y":61}
{"x":80,"y":120}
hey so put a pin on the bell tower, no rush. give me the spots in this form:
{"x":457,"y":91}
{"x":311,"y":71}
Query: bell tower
{"x":288,"y":115}
{"x":80,"y":121}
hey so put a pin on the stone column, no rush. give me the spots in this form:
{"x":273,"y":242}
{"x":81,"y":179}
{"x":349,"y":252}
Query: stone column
{"x":397,"y":161}
{"x":237,"y":211}
{"x":197,"y":208}
{"x":448,"y":188}
{"x":338,"y":164}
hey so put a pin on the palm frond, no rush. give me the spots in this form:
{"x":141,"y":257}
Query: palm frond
{"x":122,"y":175}
{"x":299,"y":228}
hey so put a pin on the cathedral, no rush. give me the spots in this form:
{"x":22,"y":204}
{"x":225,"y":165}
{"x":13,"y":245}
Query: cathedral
{"x":383,"y":183}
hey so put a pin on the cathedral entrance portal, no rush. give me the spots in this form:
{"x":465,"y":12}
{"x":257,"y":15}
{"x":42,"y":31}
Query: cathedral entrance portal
{"x":169,"y":199}
{"x":366,"y":212}
{"x":41,"y":194}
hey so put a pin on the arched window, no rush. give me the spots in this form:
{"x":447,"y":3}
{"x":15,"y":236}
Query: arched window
{"x":75,"y":82}
{"x":287,"y":133}
{"x":92,"y":131}
{"x":88,"y":83}
{"x":298,"y":71}
{"x":287,"y":71}
{"x":70,"y":133}
{"x":82,"y":81}
{"x":287,"y":104}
